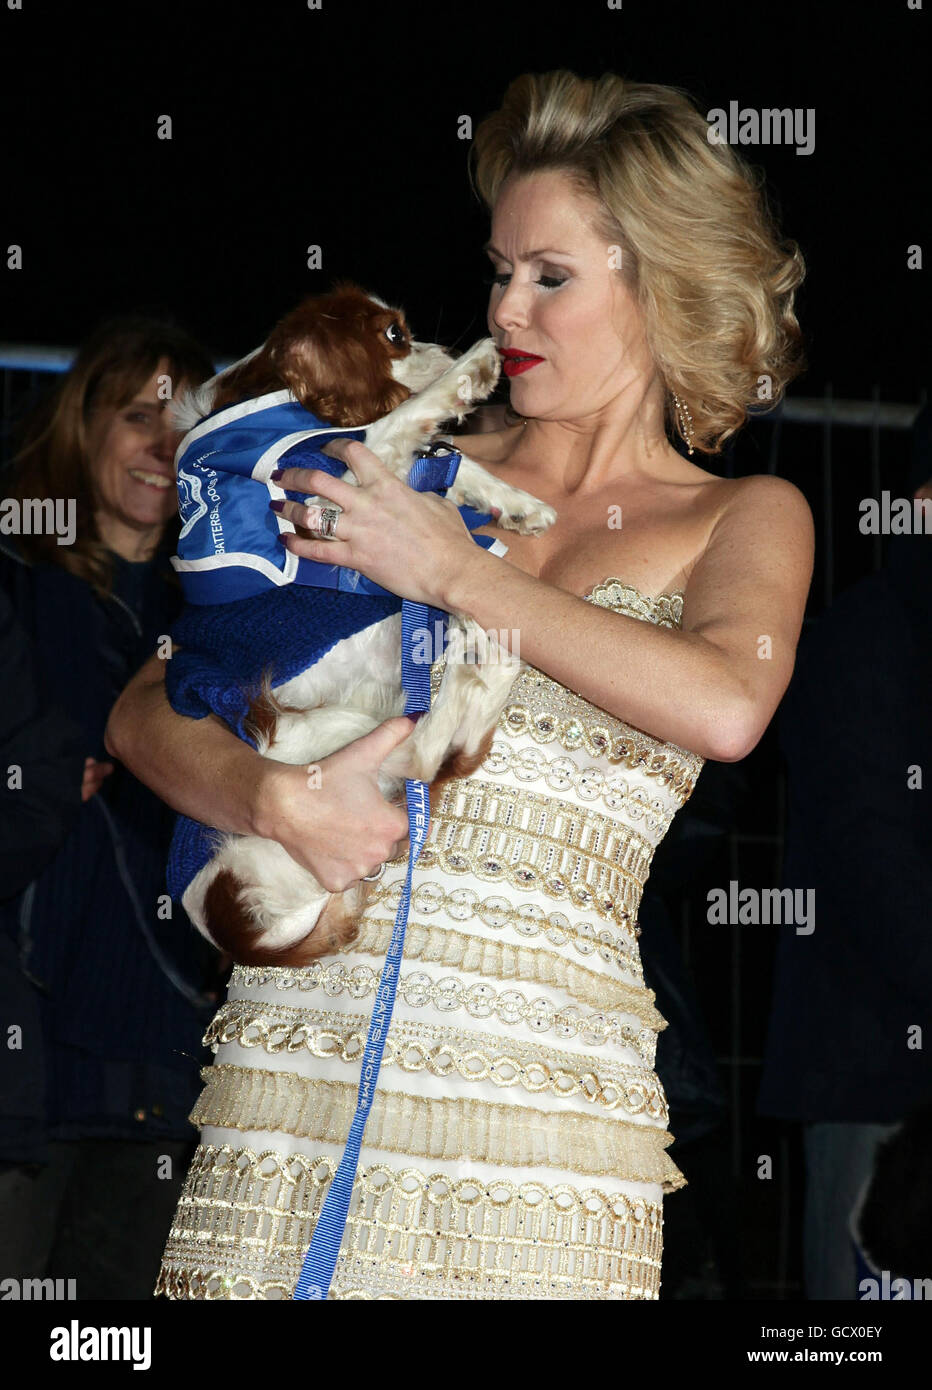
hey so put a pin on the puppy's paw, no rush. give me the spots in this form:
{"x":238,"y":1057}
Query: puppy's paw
{"x":514,"y":509}
{"x":477,"y":373}
{"x":528,"y":519}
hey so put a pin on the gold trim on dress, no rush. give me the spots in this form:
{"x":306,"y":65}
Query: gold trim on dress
{"x":527,"y":919}
{"x":534,"y":842}
{"x":664,"y":610}
{"x":454,"y":1128}
{"x":548,"y":712}
{"x":562,"y":774}
{"x":450,"y":994}
{"x":414,"y":1047}
{"x":506,"y":962}
{"x":245,"y":1221}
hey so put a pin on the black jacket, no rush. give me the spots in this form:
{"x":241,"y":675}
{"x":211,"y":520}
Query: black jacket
{"x":116,"y":989}
{"x":856,"y":719}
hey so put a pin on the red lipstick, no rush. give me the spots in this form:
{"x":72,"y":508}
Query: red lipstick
{"x":514,"y":361}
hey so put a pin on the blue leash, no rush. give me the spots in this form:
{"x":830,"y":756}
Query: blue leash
{"x":323,"y":1252}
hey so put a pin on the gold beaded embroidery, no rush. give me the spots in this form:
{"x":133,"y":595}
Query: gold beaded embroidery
{"x":423,"y":1047}
{"x":665,"y":610}
{"x":588,"y":783}
{"x":503,"y":961}
{"x":538,"y":842}
{"x":455,"y":1129}
{"x":527,"y":920}
{"x":449,"y":994}
{"x":548,"y":712}
{"x":245,"y":1220}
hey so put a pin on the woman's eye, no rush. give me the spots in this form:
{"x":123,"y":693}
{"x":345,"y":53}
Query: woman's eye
{"x":139,"y":417}
{"x":548,"y":282}
{"x":395,"y":334}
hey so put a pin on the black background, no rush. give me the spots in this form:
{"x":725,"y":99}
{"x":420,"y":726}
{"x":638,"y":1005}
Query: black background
{"x":338,"y":127}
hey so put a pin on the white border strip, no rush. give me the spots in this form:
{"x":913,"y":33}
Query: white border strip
{"x":234,"y":412}
{"x":241,"y":560}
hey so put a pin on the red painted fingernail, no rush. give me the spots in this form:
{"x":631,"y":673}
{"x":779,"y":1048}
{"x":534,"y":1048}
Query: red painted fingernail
{"x":279,"y":472}
{"x":278,"y":504}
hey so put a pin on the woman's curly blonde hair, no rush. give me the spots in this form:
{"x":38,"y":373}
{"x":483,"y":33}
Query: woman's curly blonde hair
{"x":698,"y":243}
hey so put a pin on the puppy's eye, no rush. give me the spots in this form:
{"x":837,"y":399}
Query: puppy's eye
{"x":395,"y":334}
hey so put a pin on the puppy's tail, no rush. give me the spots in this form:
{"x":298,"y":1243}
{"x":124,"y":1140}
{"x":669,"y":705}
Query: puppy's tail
{"x":261,"y":718}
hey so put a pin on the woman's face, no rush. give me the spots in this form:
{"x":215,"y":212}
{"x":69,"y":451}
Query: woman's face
{"x":132,"y":450}
{"x":557,"y":294}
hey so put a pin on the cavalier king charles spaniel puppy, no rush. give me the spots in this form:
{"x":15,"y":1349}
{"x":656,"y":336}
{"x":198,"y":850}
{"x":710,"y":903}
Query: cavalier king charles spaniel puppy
{"x":350,"y":360}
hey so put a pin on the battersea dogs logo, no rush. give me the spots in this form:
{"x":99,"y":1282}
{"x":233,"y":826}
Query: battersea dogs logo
{"x":192,"y":507}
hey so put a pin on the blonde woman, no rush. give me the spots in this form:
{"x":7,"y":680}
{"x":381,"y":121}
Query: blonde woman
{"x":517,"y":1146}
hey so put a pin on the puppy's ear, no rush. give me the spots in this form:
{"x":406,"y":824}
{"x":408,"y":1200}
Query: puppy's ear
{"x":253,"y":375}
{"x":336,"y":377}
{"x":307,"y":366}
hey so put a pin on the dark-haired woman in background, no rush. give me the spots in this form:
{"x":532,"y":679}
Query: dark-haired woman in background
{"x":110,"y":1049}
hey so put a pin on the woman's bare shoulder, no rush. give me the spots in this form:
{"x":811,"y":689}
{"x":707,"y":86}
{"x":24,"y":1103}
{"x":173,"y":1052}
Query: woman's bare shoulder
{"x":765,"y":495}
{"x":763,"y":536}
{"x":733,"y":512}
{"x":757,"y":495}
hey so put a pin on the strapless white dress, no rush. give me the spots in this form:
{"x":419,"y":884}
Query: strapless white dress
{"x":517,"y":1144}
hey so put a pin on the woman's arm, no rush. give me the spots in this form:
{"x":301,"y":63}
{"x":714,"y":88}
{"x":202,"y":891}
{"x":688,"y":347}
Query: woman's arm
{"x":197,"y":766}
{"x":712,"y":687}
{"x":339,"y":830}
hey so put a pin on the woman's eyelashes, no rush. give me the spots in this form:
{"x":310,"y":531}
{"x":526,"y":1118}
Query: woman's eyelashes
{"x":548,"y":282}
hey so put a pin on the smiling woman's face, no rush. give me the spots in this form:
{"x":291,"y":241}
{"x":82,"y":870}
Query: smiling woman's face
{"x":132,"y":451}
{"x":558,"y":295}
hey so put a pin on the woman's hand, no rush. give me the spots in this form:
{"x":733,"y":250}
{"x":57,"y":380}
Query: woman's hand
{"x":337,"y":824}
{"x":411,"y":543}
{"x":94,"y":774}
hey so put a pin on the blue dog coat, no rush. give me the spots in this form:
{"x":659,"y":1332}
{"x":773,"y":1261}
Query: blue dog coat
{"x":251,"y":604}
